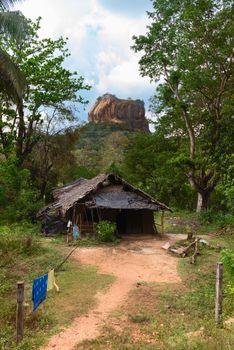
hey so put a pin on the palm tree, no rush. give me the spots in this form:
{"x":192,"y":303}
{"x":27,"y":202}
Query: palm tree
{"x":12,"y":80}
{"x":6,"y":4}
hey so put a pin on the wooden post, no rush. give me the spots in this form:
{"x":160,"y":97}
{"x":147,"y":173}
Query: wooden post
{"x":20,"y":312}
{"x":219,"y":294}
{"x":162,"y":222}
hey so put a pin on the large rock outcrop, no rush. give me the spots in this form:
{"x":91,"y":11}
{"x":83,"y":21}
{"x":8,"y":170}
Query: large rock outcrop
{"x":110,"y":109}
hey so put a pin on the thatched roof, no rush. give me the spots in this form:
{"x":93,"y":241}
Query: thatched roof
{"x":70,"y":194}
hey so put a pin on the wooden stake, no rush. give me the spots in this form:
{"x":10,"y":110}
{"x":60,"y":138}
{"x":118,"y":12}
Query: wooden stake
{"x":20,"y":312}
{"x":162,"y":222}
{"x":219,"y":294}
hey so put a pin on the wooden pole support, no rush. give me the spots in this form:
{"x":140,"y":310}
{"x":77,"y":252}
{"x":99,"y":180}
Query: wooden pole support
{"x":20,"y":312}
{"x":219,"y":294}
{"x":162,"y":222}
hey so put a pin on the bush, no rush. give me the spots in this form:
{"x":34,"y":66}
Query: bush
{"x":106,"y":231}
{"x":220,"y":219}
{"x":18,"y":239}
{"x":18,"y":197}
{"x":227,"y":257}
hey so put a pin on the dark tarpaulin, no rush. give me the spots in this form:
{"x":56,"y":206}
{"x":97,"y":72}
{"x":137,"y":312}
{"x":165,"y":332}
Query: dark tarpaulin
{"x":121,"y":200}
{"x":53,"y":225}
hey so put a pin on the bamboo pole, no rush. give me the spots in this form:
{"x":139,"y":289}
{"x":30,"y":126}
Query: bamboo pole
{"x":219,"y":294}
{"x":20,"y":312}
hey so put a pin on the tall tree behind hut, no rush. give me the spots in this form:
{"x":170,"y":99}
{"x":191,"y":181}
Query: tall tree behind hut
{"x":190,"y":44}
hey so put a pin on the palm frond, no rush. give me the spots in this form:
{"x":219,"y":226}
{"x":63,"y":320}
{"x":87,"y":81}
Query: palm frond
{"x":12,"y":80}
{"x":14,"y":24}
{"x":7,"y":4}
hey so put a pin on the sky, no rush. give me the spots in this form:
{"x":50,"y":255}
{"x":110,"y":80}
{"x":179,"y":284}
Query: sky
{"x":100,"y":36}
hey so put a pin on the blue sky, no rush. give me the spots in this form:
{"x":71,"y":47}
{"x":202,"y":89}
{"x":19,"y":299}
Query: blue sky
{"x":100,"y":35}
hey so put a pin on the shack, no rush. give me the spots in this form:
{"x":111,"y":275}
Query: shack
{"x":105,"y":197}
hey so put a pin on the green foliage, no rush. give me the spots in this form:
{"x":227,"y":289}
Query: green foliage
{"x":106,"y":231}
{"x":51,"y":86}
{"x":18,"y":239}
{"x":219,"y":218}
{"x":227,"y":257}
{"x":18,"y":197}
{"x":195,"y":98}
{"x":100,"y":147}
{"x":150,"y":164}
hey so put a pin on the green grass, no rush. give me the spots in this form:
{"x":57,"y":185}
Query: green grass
{"x":200,"y":224}
{"x":83,"y":242}
{"x":161,"y":316}
{"x":78,"y":286}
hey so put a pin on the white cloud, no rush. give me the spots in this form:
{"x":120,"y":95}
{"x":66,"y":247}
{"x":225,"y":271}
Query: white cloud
{"x":99,"y":41}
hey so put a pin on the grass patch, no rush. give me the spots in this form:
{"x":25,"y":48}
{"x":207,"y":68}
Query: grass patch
{"x":139,"y":317}
{"x":83,"y":242}
{"x":200,"y":224}
{"x":78,"y":286}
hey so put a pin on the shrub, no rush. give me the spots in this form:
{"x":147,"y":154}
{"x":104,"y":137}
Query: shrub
{"x":18,"y":239}
{"x":227,"y":257}
{"x":220,"y":219}
{"x":106,"y":231}
{"x":18,"y":197}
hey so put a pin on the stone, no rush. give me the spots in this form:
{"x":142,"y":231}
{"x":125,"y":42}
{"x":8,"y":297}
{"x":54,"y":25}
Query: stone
{"x":229,"y":323}
{"x":166,"y":246}
{"x":113,"y":110}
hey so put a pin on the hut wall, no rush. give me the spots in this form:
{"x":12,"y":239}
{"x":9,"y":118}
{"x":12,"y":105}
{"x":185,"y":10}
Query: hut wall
{"x":108,"y":214}
{"x":148,"y":222}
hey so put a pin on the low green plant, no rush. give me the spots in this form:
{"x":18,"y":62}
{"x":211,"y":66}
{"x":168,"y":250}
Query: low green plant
{"x":106,"y":231}
{"x":227,"y":257}
{"x":139,"y":317}
{"x":18,"y":239}
{"x":221,"y":219}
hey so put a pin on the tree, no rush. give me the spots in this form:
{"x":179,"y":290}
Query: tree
{"x":50,"y":86}
{"x":189,"y":45}
{"x":14,"y":25}
{"x":112,"y":151}
{"x":150,"y":164}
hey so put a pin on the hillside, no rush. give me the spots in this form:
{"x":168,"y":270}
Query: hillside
{"x":101,"y":146}
{"x":92,"y":135}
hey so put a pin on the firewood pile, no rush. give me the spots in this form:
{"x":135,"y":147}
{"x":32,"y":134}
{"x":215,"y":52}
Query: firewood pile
{"x":186,"y":250}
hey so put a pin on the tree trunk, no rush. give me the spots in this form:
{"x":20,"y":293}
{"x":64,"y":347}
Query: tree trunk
{"x":202,"y":201}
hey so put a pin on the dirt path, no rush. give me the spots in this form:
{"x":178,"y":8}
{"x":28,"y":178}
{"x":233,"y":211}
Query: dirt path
{"x":131,"y":262}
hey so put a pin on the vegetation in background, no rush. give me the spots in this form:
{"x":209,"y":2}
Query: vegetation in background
{"x":100,"y":147}
{"x":18,"y":196}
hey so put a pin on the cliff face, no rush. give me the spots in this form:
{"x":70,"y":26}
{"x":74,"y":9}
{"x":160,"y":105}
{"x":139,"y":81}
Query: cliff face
{"x":112,"y":110}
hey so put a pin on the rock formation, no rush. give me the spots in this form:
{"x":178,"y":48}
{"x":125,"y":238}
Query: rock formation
{"x":112,"y":110}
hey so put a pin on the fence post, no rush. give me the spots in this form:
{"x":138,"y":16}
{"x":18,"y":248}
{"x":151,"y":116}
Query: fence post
{"x":20,"y":312}
{"x":162,"y":222}
{"x":219,"y":294}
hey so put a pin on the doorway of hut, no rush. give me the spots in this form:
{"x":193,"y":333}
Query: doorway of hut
{"x":130,"y":221}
